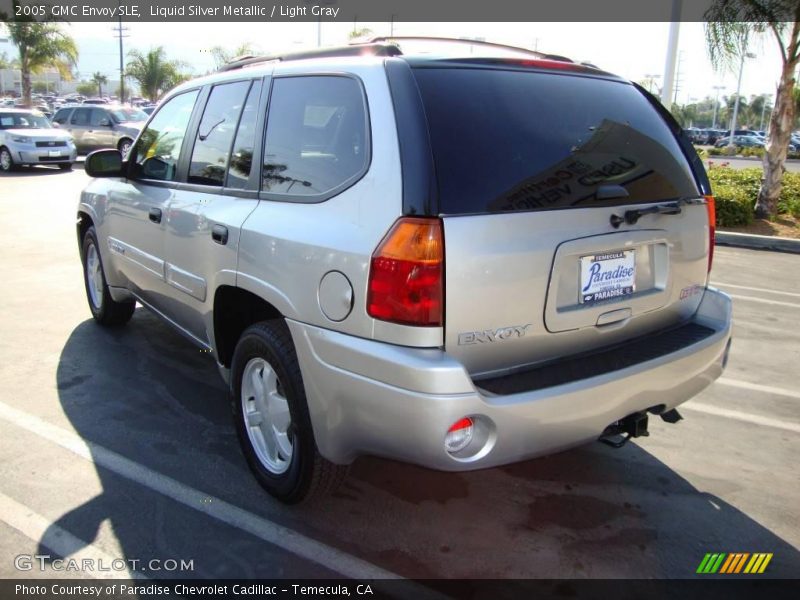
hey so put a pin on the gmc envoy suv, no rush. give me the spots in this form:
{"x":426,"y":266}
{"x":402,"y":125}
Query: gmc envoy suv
{"x":455,"y":261}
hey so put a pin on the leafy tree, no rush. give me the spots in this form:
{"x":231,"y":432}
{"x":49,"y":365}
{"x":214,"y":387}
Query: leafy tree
{"x":40,"y":45}
{"x":99,"y":79}
{"x":223,"y":56}
{"x":39,"y":87}
{"x":5,"y":63}
{"x":86,"y":88}
{"x":730,"y":26}
{"x":154,"y":73}
{"x":360,"y":32}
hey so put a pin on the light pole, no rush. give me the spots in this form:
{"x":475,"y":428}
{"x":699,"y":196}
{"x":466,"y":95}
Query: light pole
{"x":763,"y":110}
{"x":736,"y":102}
{"x":717,"y":88}
{"x":672,"y":54}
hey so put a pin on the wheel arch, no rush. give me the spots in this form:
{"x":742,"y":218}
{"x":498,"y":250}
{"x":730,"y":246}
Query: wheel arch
{"x":235,"y":309}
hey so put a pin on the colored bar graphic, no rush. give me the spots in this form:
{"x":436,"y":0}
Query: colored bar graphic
{"x":734,"y":563}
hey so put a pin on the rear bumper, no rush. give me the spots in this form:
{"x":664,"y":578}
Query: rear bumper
{"x":367,"y":397}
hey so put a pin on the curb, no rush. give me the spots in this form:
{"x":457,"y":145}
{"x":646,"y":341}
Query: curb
{"x":757,"y":242}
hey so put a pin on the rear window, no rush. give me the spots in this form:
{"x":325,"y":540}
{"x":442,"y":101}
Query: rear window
{"x":506,"y":140}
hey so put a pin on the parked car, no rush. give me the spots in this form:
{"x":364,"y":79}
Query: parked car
{"x":381,"y":263}
{"x":741,"y":141}
{"x":101,"y":126}
{"x":28,"y":138}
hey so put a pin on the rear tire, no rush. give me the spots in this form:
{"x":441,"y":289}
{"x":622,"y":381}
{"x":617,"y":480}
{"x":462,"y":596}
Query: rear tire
{"x":271,"y":417}
{"x":105,"y":309}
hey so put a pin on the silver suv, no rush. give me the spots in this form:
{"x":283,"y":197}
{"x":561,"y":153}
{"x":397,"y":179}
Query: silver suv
{"x":456,"y":262}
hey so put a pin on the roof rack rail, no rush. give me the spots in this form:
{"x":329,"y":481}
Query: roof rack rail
{"x":367,"y":49}
{"x":402,"y":38}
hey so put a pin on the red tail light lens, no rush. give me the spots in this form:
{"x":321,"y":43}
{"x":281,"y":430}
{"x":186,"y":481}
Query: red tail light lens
{"x":712,"y":228}
{"x":406,"y":272}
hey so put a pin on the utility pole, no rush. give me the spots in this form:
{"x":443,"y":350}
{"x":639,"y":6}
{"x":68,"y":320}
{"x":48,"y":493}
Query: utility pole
{"x":121,"y":31}
{"x":391,"y":26}
{"x":672,"y":53}
{"x":677,"y":78}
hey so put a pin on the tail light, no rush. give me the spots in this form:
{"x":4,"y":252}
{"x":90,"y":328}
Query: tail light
{"x":712,"y":228}
{"x":406,"y":273}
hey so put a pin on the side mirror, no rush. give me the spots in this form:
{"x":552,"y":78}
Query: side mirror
{"x":56,"y":124}
{"x":105,"y":123}
{"x":104,"y":163}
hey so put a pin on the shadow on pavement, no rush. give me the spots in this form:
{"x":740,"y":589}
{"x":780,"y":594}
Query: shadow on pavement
{"x":148,"y":395}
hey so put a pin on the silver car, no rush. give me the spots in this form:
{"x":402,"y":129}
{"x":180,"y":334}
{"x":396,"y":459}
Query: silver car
{"x":458,"y":263}
{"x":28,"y":138}
{"x":101,"y":126}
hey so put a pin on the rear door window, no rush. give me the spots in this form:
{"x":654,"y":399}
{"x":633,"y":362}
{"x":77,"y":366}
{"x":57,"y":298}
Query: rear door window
{"x":212,"y":147}
{"x":242,"y":155}
{"x":506,"y":140}
{"x":316,"y":142}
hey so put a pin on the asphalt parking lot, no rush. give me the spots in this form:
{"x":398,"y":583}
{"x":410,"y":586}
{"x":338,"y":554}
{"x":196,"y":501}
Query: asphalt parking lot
{"x":119,"y":445}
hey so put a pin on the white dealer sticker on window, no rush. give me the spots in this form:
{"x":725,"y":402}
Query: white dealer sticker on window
{"x":606,"y":276}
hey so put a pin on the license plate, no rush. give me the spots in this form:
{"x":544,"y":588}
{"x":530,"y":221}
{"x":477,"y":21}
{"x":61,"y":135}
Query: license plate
{"x":607,"y":276}
{"x":55,"y":153}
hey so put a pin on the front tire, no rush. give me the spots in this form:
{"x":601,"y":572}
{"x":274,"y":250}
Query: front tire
{"x":271,"y":417}
{"x":105,"y":309}
{"x":124,"y":147}
{"x":65,"y":166}
{"x":6,"y":161}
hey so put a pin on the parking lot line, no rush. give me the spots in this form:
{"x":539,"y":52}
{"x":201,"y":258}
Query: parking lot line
{"x":768,"y":389}
{"x":277,"y":535}
{"x":754,"y":289}
{"x":741,"y":416}
{"x":764,"y":301}
{"x":60,"y":541}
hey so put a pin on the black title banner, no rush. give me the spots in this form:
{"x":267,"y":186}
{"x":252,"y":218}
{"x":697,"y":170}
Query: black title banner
{"x":368,"y":10}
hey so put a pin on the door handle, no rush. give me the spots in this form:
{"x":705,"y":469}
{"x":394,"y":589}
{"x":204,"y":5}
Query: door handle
{"x":219,"y":233}
{"x":155,"y":215}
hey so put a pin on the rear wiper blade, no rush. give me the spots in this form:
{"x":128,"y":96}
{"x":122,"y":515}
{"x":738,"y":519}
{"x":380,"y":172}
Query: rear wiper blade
{"x":632,"y":217}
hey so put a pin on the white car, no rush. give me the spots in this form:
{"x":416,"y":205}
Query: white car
{"x":28,"y":138}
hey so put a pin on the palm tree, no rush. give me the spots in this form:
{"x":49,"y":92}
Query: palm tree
{"x":730,"y":26}
{"x":154,"y":73}
{"x":222,"y":56}
{"x":99,"y":79}
{"x":41,"y":45}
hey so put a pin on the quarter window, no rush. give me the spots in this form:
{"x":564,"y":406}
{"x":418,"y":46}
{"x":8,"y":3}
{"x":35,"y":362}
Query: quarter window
{"x":158,"y":148}
{"x":214,"y":136}
{"x":316,"y":135}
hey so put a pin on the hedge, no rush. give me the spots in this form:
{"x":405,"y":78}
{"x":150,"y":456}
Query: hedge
{"x":736,"y":190}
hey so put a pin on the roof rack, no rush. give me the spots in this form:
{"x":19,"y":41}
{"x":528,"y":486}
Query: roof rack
{"x":377,"y":46}
{"x":368,"y":49}
{"x":405,"y":38}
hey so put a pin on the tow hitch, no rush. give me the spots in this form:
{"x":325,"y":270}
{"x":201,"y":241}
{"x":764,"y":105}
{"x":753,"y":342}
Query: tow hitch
{"x":618,"y":433}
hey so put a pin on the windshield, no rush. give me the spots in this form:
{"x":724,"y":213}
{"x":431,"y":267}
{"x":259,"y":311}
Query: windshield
{"x":23,"y":121}
{"x":125,"y":115}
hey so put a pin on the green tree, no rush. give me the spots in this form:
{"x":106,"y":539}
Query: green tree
{"x":730,"y":27}
{"x":360,"y":32}
{"x":154,"y":73}
{"x":39,"y":87}
{"x":99,"y":80}
{"x":222,"y":56}
{"x":85,"y":88}
{"x":40,"y":45}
